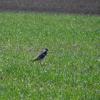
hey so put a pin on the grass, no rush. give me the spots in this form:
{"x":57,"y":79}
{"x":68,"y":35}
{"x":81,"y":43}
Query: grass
{"x":70,"y":71}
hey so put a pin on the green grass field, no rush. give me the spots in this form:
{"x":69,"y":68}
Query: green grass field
{"x":70,"y":71}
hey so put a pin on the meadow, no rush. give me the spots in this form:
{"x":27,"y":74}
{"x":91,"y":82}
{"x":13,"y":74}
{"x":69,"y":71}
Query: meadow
{"x":70,"y":71}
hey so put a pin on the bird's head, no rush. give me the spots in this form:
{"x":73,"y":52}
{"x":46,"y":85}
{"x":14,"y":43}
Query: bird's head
{"x":46,"y":49}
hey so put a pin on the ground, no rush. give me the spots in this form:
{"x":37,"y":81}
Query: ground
{"x":70,"y":71}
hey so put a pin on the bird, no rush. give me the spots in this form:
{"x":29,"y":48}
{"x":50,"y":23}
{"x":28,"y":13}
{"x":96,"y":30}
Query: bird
{"x":41,"y":55}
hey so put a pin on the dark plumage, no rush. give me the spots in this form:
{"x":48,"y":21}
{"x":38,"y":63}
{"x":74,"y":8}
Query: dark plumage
{"x":41,"y":55}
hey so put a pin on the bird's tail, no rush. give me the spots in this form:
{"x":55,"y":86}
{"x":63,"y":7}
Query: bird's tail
{"x":34,"y":60}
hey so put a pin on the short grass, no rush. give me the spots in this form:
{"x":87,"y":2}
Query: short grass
{"x":70,"y":71}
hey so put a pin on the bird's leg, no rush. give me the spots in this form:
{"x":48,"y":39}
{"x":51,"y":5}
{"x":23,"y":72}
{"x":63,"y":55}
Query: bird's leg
{"x":40,"y":62}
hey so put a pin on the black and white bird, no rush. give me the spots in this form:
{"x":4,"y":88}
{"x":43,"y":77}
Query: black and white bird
{"x":42,"y":55}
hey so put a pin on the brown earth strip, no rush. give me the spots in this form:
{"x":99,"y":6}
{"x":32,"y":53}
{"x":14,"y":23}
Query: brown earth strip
{"x":65,"y":6}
